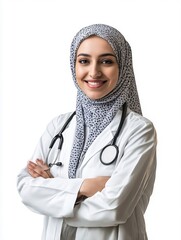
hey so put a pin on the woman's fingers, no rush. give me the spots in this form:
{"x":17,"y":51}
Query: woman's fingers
{"x":33,"y":173}
{"x":38,"y":169}
{"x":41,"y":164}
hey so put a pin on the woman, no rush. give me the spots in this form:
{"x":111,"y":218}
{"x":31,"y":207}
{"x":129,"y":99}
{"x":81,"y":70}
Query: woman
{"x":81,"y":195}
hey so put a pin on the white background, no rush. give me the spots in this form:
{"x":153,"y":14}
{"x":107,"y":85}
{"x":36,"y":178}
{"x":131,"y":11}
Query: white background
{"x":36,"y":85}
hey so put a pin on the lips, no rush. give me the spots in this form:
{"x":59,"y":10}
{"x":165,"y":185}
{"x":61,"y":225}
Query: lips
{"x":95,"y":83}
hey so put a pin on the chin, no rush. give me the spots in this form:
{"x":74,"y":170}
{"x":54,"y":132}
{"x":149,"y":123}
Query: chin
{"x":94,"y":97}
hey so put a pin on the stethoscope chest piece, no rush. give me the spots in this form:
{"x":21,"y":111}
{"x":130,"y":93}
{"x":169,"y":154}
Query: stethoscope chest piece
{"x":109,"y":154}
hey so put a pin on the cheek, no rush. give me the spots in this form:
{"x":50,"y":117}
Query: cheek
{"x":79,"y":73}
{"x":114,"y":75}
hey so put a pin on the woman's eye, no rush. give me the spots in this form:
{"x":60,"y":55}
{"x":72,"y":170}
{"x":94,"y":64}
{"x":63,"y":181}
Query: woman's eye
{"x":83,"y":61}
{"x":106,"y":61}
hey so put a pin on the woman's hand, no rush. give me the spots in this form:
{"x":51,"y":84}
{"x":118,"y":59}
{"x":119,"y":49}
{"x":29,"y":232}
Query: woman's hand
{"x":92,"y":185}
{"x":39,"y":169}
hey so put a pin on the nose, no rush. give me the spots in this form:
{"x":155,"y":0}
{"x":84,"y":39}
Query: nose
{"x":95,"y":71}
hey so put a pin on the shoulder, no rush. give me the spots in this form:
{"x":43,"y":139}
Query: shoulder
{"x":61,"y":119}
{"x":57,"y":122}
{"x":136,"y":124}
{"x":138,"y":119}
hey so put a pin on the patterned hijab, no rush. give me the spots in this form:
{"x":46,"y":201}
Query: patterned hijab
{"x":97,"y":114}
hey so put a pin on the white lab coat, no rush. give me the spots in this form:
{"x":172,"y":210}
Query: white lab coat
{"x":116,"y":213}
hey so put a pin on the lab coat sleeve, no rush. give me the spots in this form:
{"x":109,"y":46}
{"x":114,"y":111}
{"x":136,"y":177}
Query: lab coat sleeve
{"x":132,"y":178}
{"x":53,"y":197}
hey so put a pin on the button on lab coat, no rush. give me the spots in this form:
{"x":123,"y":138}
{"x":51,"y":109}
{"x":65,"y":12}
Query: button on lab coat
{"x":115,"y":213}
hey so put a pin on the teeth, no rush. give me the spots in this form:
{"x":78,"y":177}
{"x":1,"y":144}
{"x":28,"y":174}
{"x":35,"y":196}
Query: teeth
{"x":94,"y":83}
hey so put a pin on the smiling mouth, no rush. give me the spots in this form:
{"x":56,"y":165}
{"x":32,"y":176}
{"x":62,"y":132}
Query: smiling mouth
{"x":95,"y":83}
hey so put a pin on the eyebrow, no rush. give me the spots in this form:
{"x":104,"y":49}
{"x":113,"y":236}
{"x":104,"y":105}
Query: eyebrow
{"x":102,"y":55}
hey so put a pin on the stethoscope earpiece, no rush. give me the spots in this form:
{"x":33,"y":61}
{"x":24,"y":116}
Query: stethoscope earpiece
{"x":58,"y":164}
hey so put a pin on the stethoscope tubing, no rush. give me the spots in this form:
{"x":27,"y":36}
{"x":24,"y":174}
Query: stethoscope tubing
{"x":60,"y":137}
{"x":111,"y":145}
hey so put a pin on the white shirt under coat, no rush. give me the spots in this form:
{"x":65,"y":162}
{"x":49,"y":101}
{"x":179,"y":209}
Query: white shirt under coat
{"x":115,"y":213}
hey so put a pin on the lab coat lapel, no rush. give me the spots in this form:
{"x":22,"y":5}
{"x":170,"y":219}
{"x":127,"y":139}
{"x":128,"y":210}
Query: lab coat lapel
{"x":103,"y":138}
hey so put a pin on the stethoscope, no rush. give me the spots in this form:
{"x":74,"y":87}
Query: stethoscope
{"x":108,"y":154}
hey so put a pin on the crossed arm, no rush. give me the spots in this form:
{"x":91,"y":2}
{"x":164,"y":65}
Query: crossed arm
{"x":88,"y":188}
{"x":105,"y":198}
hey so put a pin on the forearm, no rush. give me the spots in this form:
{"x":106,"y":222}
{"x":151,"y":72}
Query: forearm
{"x":92,"y":185}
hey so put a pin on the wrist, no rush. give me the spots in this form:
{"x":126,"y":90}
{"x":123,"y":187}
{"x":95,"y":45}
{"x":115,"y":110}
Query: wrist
{"x":83,"y":189}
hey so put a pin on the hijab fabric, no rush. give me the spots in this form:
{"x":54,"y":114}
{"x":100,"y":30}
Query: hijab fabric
{"x":97,"y":114}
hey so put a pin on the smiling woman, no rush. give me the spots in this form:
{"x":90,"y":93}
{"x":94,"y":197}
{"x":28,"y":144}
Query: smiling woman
{"x":96,"y":67}
{"x":84,"y":197}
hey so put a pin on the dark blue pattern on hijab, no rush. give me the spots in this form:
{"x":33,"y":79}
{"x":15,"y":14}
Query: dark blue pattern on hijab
{"x":97,"y":114}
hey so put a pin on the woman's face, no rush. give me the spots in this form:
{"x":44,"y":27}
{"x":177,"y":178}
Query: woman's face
{"x":96,"y":67}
